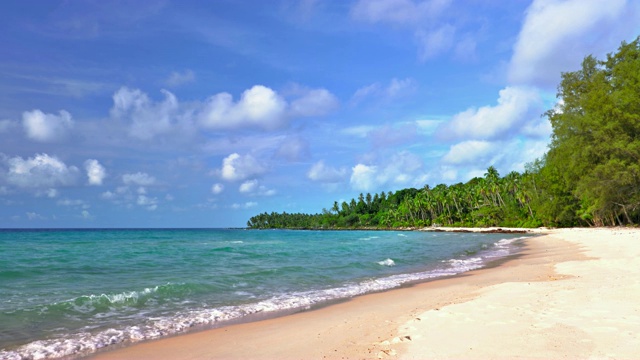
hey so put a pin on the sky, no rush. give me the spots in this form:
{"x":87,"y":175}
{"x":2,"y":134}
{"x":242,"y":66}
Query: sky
{"x":205,"y":113}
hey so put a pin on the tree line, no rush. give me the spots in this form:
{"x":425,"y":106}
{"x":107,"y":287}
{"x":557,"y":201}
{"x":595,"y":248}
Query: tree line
{"x":590,"y":175}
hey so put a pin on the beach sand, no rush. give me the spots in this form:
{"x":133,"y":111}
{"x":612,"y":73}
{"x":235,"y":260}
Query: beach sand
{"x":571,"y":294}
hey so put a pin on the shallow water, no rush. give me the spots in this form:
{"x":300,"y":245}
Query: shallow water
{"x":71,"y":292}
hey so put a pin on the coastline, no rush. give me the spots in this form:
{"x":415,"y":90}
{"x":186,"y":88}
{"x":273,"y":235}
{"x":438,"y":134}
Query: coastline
{"x":466,"y":316}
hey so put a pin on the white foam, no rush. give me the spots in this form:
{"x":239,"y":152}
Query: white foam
{"x":387,"y":262}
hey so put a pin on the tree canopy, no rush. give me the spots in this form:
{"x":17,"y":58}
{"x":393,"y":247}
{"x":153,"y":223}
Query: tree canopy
{"x":593,"y":163}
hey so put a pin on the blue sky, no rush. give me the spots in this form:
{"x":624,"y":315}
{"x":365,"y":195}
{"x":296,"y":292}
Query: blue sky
{"x":205,"y":113}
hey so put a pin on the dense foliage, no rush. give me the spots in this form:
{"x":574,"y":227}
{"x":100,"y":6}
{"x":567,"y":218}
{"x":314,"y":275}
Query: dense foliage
{"x":590,"y":175}
{"x":592,"y":169}
{"x":487,"y":201}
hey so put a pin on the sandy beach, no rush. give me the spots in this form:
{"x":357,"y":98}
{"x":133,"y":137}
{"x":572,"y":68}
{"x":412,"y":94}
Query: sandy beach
{"x":571,"y":294}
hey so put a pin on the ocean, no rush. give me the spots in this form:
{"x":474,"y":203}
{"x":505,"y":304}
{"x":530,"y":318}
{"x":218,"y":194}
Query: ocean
{"x":70,"y":293}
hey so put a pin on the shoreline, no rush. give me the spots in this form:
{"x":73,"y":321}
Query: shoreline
{"x":546,"y":300}
{"x":368,"y":326}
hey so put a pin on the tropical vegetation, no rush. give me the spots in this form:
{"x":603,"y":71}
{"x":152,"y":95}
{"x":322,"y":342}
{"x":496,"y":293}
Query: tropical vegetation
{"x":589,"y":177}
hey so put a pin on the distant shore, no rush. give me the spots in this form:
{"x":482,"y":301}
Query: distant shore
{"x":571,"y":293}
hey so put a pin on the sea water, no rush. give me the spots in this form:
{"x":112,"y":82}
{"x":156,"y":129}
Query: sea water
{"x":73,"y":292}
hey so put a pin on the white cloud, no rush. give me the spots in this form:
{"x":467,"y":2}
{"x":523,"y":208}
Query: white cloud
{"x":40,"y":171}
{"x":365,"y":92}
{"x":363,"y":177}
{"x":470,"y":152}
{"x":248,"y":186}
{"x":148,"y":119}
{"x":326,"y":174}
{"x":50,"y":193}
{"x":515,"y":107}
{"x":434,"y":42}
{"x":258,"y":107}
{"x":139,"y":178}
{"x":149,"y":203}
{"x":86,"y":214}
{"x":402,"y":169}
{"x":557,"y":34}
{"x":247,"y":205}
{"x":252,"y":187}
{"x":399,"y":86}
{"x":402,"y":12}
{"x":427,"y":127}
{"x":95,"y":171}
{"x":46,"y":127}
{"x":180,"y":78}
{"x":263,"y":108}
{"x":237,"y":167}
{"x":108,"y":195}
{"x":314,"y":102}
{"x":34,"y":216}
{"x":74,"y":203}
{"x":217,"y":188}
{"x":394,"y":89}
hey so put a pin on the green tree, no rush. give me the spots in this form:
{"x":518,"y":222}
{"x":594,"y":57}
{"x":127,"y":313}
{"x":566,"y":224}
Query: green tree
{"x":594,"y":156}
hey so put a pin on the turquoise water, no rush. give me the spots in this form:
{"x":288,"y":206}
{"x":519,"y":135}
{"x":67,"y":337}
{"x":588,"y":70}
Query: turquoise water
{"x":72,"y":292}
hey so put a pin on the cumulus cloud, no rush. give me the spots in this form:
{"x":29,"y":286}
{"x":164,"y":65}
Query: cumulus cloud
{"x":326,"y":174}
{"x":263,"y":108}
{"x":259,"y":107}
{"x":148,"y":118}
{"x":147,"y":202}
{"x":217,"y":188}
{"x":46,"y":127}
{"x":252,"y":187}
{"x":86,"y":215}
{"x":139,"y":178}
{"x":402,"y":169}
{"x":95,"y":171}
{"x":248,"y":186}
{"x":313,"y":102}
{"x":50,"y":193}
{"x":236,"y":167}
{"x":469,"y":152}
{"x":516,"y":106}
{"x":363,"y":177}
{"x":40,"y":171}
{"x":557,"y":34}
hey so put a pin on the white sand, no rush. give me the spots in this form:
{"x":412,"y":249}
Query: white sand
{"x":593,"y":311}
